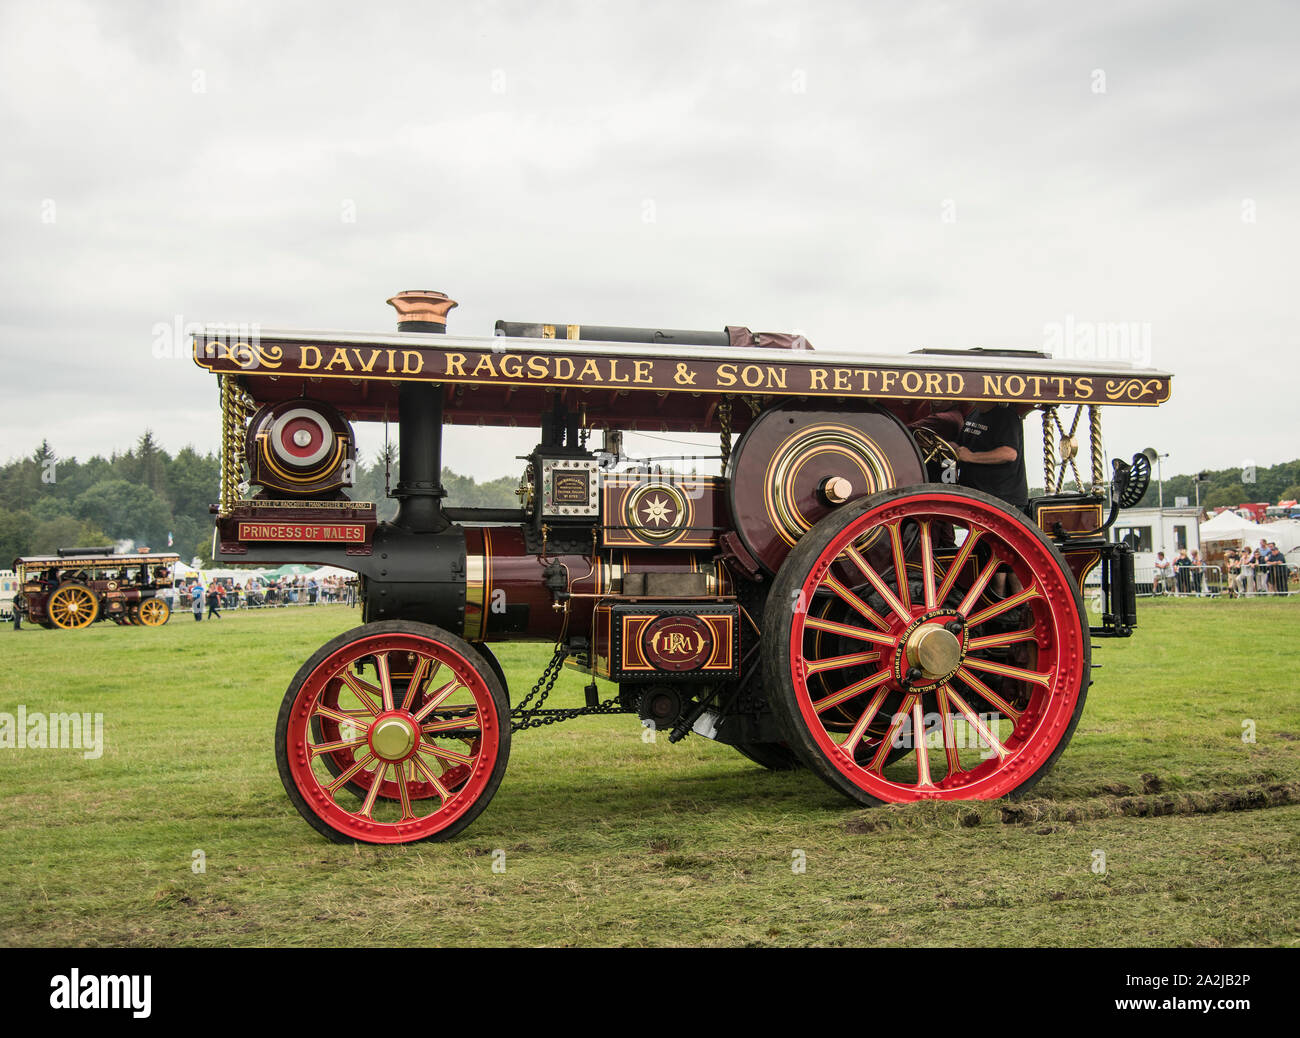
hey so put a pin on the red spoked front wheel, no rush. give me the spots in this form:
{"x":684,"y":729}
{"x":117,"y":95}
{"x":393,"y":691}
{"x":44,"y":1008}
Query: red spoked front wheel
{"x":927,"y":643}
{"x":393,"y":732}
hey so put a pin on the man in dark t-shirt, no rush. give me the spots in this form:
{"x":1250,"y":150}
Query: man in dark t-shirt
{"x":991,"y":454}
{"x":991,"y":458}
{"x":1183,"y":572}
{"x":1278,"y":569}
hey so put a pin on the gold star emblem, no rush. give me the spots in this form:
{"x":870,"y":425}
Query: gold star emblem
{"x":658,"y":511}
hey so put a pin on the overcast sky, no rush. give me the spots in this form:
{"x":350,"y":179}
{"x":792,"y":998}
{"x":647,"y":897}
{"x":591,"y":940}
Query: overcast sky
{"x":878,"y":176}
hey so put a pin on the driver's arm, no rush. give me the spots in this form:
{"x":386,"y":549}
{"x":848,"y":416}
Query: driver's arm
{"x":996,"y":456}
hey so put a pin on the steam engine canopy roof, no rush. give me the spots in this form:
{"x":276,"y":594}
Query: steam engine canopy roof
{"x":493,"y":381}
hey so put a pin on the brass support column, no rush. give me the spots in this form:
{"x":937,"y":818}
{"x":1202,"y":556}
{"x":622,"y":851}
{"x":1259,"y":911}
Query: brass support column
{"x":1049,"y":450}
{"x":233,"y":419}
{"x":1098,"y":451}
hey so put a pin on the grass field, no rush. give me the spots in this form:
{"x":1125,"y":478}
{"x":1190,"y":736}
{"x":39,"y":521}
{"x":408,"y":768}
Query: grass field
{"x":611,"y":840}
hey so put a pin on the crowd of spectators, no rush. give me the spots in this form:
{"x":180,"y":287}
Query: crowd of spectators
{"x":219,"y":594}
{"x":1245,"y":572}
{"x":1257,"y":571}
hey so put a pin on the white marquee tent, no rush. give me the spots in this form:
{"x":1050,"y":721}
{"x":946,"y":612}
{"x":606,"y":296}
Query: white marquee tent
{"x":1229,"y":526}
{"x":185,"y":571}
{"x":331,"y":571}
{"x":1285,"y":531}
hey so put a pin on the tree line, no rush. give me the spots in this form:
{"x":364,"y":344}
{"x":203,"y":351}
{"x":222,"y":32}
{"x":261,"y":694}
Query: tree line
{"x":1245,"y":484}
{"x":1232,"y":487}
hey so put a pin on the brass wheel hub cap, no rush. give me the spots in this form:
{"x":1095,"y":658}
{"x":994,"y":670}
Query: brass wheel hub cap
{"x":393,"y":738}
{"x":836,"y":489}
{"x":935,"y":650}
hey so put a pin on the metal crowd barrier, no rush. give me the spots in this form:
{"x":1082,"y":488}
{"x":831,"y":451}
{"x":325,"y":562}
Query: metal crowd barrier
{"x":184,"y":603}
{"x":1214,"y":582}
{"x":1271,"y":578}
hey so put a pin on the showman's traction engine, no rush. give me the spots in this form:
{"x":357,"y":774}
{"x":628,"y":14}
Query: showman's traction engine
{"x":830,"y":598}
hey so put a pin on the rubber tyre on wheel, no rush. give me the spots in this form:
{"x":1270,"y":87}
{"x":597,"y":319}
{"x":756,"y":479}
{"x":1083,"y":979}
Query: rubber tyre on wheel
{"x":489,"y":657}
{"x":937,"y":597}
{"x":775,"y":756}
{"x":315,"y":793}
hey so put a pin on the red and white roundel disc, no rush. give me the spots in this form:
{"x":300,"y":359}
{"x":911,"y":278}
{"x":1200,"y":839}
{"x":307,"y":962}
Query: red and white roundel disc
{"x":301,"y":437}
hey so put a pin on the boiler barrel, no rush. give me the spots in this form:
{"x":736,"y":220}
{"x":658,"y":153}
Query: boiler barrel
{"x":506,"y":594}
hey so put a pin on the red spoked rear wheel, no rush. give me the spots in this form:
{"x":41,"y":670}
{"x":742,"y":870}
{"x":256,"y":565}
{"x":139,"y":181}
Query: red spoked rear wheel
{"x":391,"y":733}
{"x":927,"y":643}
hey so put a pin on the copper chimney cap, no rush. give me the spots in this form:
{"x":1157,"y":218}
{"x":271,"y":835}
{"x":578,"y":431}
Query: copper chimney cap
{"x":419,"y":311}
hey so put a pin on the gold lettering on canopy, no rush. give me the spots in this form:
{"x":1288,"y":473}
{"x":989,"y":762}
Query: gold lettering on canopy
{"x":667,"y":373}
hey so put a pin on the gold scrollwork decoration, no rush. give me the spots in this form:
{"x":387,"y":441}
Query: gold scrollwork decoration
{"x":1131,"y":388}
{"x":247,"y":356}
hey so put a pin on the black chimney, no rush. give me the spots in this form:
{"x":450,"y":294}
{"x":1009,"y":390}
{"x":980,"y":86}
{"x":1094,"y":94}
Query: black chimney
{"x":419,"y":487}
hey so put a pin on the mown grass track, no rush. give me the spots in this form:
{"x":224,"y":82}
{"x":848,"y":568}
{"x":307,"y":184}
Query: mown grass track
{"x":607,"y":839}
